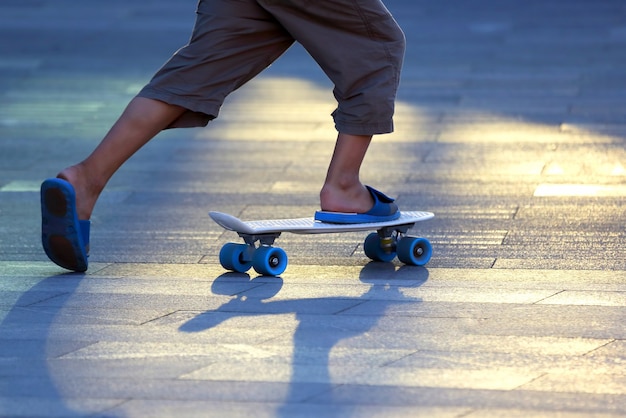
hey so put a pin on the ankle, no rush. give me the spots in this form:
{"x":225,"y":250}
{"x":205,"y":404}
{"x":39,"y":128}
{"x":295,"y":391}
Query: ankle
{"x":86,"y":187}
{"x":79,"y":175}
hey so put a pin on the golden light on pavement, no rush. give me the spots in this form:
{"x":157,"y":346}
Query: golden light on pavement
{"x":473,"y":143}
{"x":580,"y":190}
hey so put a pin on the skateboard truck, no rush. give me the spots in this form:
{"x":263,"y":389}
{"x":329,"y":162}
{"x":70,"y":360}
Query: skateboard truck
{"x":383,"y":245}
{"x":263,"y":239}
{"x":389,"y":237}
{"x":264,"y":258}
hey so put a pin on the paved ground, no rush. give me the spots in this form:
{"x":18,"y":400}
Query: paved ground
{"x":511,"y":128}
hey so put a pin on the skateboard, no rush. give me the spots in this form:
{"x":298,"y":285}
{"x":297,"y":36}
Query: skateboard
{"x":258,"y":250}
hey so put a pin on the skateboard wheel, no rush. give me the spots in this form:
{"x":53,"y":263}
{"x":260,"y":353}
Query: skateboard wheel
{"x":233,"y":257}
{"x":269,"y":261}
{"x":414,"y":251}
{"x":374,"y":250}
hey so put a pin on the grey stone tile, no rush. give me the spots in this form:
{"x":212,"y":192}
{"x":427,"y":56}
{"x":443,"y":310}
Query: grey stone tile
{"x":18,"y":299}
{"x":261,"y":410}
{"x":489,"y":413}
{"x":568,"y":297}
{"x":165,"y":367}
{"x":518,"y":399}
{"x":40,"y":406}
{"x":32,"y":316}
{"x":592,"y":381}
{"x":499,"y":102}
{"x":551,"y":359}
{"x":35,"y":349}
{"x":614,"y":350}
{"x":134,"y":388}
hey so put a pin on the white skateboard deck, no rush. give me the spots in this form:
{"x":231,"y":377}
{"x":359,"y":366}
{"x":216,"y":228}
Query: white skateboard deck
{"x":310,"y":225}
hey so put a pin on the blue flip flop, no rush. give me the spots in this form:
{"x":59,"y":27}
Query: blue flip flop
{"x":65,"y":238}
{"x":384,"y":210}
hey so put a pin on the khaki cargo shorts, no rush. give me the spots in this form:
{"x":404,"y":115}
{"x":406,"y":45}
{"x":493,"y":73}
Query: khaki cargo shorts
{"x":357,"y":43}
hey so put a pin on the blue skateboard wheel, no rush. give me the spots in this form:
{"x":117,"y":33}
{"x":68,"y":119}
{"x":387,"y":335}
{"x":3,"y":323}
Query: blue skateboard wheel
{"x":375,"y":251}
{"x":269,"y":261}
{"x":414,"y":251}
{"x":233,"y":257}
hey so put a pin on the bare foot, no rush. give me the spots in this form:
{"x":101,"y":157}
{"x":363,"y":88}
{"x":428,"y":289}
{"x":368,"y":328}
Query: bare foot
{"x":353,"y":199}
{"x":87,"y":192}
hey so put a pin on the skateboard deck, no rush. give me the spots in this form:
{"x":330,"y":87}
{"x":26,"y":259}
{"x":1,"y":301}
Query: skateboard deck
{"x":309,"y":225}
{"x":258,"y":251}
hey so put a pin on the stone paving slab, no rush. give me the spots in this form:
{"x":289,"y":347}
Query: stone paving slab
{"x":444,"y":341}
{"x":510,"y":126}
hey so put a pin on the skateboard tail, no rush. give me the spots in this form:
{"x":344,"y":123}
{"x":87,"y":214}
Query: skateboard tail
{"x":230,"y":222}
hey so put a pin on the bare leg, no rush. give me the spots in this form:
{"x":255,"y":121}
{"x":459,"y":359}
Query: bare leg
{"x":343,"y":190}
{"x":140,"y":122}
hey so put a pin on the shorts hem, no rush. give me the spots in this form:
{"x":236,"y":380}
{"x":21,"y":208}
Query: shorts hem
{"x":195,"y":116}
{"x":364,"y":128}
